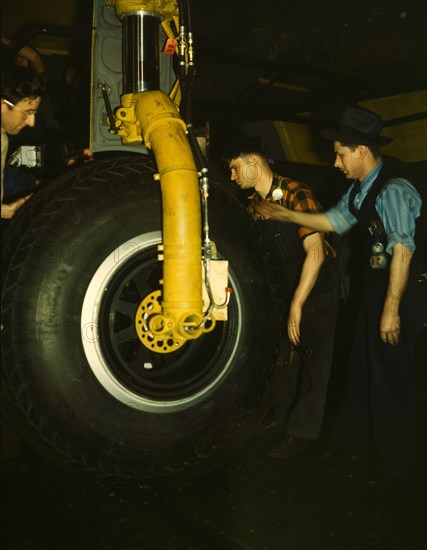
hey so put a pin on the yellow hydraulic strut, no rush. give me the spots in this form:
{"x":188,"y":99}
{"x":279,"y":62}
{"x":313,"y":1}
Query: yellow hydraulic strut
{"x":149,"y":116}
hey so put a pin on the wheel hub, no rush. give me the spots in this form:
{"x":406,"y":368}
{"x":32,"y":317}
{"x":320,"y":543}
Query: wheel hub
{"x":153,"y":329}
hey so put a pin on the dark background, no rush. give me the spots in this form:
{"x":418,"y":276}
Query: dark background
{"x":276,"y":59}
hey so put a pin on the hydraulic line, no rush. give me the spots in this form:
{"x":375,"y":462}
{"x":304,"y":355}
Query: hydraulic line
{"x":187,"y":73}
{"x":149,"y":116}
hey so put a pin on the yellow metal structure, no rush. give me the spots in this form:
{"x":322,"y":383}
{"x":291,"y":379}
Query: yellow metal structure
{"x":151,"y":117}
{"x":409,"y":136}
{"x":166,"y":8}
{"x":408,"y":129}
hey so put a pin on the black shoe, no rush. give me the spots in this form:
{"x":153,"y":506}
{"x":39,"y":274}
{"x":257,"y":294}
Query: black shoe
{"x":291,"y":447}
{"x":332,"y":454}
{"x":379,"y":479}
{"x":271,"y":425}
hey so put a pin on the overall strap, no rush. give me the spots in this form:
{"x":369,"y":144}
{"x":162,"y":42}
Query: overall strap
{"x":367,"y":209}
{"x":355,"y":191}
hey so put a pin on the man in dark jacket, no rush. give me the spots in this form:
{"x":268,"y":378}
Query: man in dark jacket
{"x":379,"y":403}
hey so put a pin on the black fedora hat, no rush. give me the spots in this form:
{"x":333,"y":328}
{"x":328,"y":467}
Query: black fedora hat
{"x":358,"y":127}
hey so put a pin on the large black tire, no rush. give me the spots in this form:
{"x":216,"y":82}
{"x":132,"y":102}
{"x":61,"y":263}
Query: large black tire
{"x":77,"y":383}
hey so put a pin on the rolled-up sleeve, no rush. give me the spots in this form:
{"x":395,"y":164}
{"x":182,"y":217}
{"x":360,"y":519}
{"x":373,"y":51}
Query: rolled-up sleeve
{"x":340,"y":216}
{"x":399,"y":205}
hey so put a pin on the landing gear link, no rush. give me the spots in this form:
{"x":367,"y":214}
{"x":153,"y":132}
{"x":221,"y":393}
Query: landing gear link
{"x":156,"y":331}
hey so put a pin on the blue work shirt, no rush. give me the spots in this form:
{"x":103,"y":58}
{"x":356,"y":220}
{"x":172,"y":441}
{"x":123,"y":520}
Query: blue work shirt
{"x":398,"y":205}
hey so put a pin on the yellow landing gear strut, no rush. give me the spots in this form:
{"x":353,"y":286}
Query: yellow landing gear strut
{"x":166,"y":320}
{"x":153,"y":116}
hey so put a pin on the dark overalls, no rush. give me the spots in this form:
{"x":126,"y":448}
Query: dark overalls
{"x":379,"y":405}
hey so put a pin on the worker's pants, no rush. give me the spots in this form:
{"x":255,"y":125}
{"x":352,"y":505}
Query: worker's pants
{"x":379,"y":405}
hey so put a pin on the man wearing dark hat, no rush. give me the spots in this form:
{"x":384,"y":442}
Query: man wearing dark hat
{"x":379,"y":405}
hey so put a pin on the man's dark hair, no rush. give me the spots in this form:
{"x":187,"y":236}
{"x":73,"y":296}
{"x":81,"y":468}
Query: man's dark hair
{"x":18,"y":83}
{"x":243,"y":146}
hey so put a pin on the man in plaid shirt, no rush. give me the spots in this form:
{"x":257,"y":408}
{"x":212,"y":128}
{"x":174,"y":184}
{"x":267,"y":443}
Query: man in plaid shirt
{"x":309,"y":290}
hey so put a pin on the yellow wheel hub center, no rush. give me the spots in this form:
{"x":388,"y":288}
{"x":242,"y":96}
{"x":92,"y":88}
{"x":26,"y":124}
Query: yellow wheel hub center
{"x":152,"y":327}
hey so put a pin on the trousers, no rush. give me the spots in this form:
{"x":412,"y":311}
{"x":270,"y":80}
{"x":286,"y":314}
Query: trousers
{"x":301,"y":403}
{"x":379,"y":405}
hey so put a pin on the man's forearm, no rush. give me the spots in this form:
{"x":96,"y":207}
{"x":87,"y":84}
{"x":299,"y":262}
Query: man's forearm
{"x":399,"y":274}
{"x":398,"y":279}
{"x":315,"y":256}
{"x":313,"y":246}
{"x":316,"y":221}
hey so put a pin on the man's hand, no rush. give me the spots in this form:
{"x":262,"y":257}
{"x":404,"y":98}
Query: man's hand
{"x":9,"y":210}
{"x":317,"y":220}
{"x":271,"y":210}
{"x":294,"y":323}
{"x":390,"y":327}
{"x":85,"y":155}
{"x":399,"y":275}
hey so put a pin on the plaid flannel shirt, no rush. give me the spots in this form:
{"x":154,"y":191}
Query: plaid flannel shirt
{"x":296,"y":196}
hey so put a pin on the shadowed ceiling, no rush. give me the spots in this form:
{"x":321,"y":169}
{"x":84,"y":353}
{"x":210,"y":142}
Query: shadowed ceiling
{"x":275,"y":59}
